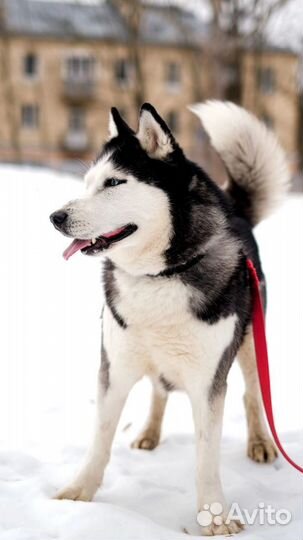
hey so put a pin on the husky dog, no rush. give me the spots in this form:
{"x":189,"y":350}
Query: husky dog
{"x":178,"y":298}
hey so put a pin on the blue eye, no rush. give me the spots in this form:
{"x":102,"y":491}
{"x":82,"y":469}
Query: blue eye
{"x":113,"y":182}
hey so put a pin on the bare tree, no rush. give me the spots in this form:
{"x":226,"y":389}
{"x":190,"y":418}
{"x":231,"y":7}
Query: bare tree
{"x":194,"y":50}
{"x":235,"y":25}
{"x":131,"y":11}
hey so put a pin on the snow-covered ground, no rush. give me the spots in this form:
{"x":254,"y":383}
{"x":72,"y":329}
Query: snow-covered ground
{"x":50,"y":322}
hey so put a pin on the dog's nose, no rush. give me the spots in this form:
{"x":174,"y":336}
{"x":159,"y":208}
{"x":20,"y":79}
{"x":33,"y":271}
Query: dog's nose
{"x":58,"y":218}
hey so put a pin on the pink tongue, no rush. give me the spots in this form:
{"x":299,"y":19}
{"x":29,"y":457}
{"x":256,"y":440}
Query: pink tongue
{"x":75,"y":246}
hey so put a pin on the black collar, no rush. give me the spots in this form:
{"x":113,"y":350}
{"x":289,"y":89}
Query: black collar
{"x":178,"y":268}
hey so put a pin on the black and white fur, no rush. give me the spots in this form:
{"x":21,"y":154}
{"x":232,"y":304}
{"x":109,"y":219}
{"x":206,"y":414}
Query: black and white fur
{"x":178,"y":299}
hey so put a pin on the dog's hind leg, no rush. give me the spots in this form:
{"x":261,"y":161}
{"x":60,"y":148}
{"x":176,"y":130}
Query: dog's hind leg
{"x":260,"y":447}
{"x":149,"y":437}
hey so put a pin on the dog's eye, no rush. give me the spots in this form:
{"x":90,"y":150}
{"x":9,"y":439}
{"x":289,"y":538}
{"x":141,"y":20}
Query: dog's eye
{"x":112,"y":182}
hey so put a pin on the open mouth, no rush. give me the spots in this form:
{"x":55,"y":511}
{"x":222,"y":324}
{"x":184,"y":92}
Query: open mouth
{"x":96,"y":245}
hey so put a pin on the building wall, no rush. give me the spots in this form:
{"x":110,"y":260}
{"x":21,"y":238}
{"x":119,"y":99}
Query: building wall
{"x":278,"y":106}
{"x":277,"y":103}
{"x":46,"y":90}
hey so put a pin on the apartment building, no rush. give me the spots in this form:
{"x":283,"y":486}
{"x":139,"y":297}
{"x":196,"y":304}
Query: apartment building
{"x":63,"y":65}
{"x":271,"y":89}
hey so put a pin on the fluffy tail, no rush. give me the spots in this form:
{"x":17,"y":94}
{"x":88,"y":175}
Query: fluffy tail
{"x":255,"y":161}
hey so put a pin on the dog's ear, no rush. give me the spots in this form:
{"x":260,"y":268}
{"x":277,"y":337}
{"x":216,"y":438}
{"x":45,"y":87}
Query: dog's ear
{"x":154,"y":135}
{"x":118,"y":126}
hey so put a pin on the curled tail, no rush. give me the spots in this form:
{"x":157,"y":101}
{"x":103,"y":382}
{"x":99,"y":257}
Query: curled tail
{"x":255,"y":161}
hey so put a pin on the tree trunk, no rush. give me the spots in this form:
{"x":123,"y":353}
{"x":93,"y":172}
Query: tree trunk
{"x":131,"y":11}
{"x":234,"y":91}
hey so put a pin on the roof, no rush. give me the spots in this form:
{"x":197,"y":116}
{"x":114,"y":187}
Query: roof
{"x":166,"y":24}
{"x":62,"y":19}
{"x":48,"y":18}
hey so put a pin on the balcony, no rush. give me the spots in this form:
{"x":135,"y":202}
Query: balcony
{"x":76,"y":142}
{"x":79,"y":89}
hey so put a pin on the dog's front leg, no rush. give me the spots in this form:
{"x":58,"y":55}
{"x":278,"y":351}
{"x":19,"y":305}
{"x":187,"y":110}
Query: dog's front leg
{"x":110,"y":400}
{"x":208,"y":415}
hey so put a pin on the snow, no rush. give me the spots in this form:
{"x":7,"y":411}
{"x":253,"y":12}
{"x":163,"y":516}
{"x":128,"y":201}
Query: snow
{"x":50,"y":320}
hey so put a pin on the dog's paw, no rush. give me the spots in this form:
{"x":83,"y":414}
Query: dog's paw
{"x":76,"y":492}
{"x":261,"y":450}
{"x":147,"y":440}
{"x":232,"y":527}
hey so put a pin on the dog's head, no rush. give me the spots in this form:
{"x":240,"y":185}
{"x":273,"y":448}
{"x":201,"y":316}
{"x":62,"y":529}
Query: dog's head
{"x":134,"y":190}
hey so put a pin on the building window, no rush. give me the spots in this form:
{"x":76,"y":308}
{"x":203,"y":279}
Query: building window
{"x":80,"y":67}
{"x":123,"y":72}
{"x":173,"y":121}
{"x":30,"y":65}
{"x":30,"y":116}
{"x":173,"y":75}
{"x":76,"y":121}
{"x":266,"y":80}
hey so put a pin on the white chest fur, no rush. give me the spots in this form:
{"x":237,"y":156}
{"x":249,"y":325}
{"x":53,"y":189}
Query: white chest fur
{"x":177,"y":344}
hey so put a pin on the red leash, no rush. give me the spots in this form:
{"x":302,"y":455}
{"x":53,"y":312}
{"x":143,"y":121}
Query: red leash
{"x":258,"y":321}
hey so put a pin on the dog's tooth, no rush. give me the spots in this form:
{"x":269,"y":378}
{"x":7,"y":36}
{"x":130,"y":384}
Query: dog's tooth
{"x":94,"y":240}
